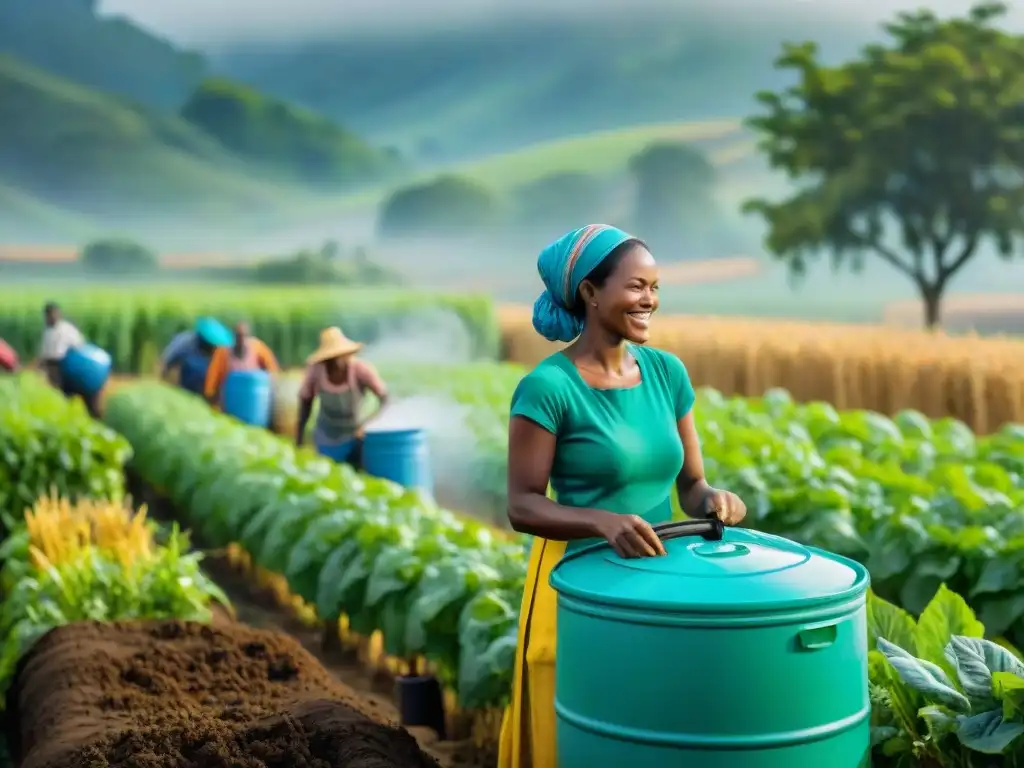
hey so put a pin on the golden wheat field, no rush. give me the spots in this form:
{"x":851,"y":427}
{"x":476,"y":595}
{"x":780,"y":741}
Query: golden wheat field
{"x":977,"y":380}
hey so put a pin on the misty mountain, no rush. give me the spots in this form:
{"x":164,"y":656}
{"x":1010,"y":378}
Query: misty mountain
{"x":71,"y":156}
{"x":476,"y":89}
{"x":69,"y":39}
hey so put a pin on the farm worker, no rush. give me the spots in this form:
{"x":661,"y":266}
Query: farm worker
{"x":339,"y":380}
{"x":192,"y":350}
{"x":9,"y":362}
{"x":608,"y":423}
{"x":59,"y":336}
{"x":246,"y":353}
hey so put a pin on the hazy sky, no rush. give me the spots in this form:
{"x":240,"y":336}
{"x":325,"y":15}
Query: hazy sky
{"x":205,"y":21}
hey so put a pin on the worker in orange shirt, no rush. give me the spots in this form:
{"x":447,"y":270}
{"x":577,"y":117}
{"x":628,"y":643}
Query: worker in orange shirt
{"x":247,"y":354}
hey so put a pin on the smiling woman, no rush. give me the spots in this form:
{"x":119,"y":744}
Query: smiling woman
{"x":607,"y":425}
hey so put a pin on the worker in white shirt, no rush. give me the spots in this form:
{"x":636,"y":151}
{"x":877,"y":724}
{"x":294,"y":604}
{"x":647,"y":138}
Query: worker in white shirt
{"x":58,"y":337}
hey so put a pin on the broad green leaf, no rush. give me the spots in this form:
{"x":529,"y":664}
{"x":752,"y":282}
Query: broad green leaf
{"x":974,"y":660}
{"x":988,"y":732}
{"x":945,"y":616}
{"x":924,"y":677}
{"x":887,"y":621}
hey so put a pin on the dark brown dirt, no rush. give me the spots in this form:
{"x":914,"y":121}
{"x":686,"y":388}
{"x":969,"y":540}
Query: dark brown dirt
{"x":257,"y":607}
{"x":183,"y":695}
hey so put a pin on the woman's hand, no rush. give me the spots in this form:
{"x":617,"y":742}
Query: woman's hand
{"x":631,"y":536}
{"x":726,"y":506}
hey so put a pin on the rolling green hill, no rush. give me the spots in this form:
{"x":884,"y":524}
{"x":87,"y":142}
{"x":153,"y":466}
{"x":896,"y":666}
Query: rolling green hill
{"x":69,"y":150}
{"x":600,"y":153}
{"x":69,"y":39}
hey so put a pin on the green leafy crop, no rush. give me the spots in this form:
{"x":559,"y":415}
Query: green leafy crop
{"x":48,"y":442}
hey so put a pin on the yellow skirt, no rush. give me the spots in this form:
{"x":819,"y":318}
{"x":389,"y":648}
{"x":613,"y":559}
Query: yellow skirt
{"x":528,"y":727}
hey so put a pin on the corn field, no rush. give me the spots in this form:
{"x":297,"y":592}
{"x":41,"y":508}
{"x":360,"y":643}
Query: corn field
{"x":977,"y":380}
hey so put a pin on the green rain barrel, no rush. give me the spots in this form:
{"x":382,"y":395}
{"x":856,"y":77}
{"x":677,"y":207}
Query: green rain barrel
{"x":736,"y":650}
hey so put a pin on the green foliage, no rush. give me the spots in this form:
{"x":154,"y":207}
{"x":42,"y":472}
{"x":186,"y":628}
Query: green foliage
{"x":325,"y":266}
{"x":940,"y":693}
{"x":912,"y":152}
{"x":118,"y":256}
{"x":448,"y":205}
{"x":434,"y":584}
{"x":304,"y":146}
{"x":48,"y":443}
{"x":110,"y":54}
{"x":135,"y":325}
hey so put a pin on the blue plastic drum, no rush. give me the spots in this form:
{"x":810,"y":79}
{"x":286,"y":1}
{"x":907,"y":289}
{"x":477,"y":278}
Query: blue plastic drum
{"x":247,"y":397}
{"x":86,"y":369}
{"x":399,"y":455}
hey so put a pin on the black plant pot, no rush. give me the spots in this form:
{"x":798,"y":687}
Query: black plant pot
{"x":421,"y":702}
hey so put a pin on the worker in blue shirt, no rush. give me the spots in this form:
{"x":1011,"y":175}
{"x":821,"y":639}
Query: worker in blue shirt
{"x":191,"y":352}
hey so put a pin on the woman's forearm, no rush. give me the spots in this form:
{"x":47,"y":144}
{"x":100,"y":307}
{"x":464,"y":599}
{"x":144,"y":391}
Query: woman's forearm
{"x":692,"y":496}
{"x":538,"y":515}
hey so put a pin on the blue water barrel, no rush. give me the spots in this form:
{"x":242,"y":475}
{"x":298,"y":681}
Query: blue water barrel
{"x":737,"y":649}
{"x":247,"y":397}
{"x":86,"y":369}
{"x":399,"y":455}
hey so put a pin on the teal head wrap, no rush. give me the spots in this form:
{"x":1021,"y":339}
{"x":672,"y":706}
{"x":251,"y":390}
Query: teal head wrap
{"x":563,"y":265}
{"x":213,"y":332}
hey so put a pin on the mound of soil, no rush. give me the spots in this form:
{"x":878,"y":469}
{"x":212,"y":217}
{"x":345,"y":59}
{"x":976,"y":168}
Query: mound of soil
{"x":183,"y":695}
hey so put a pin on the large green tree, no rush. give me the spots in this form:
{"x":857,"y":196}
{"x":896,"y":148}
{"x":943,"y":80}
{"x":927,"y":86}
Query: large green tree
{"x":914,"y":152}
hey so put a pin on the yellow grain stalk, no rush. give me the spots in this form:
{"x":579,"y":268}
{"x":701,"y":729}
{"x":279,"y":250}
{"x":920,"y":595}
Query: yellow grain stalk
{"x":886,"y":369}
{"x":60,"y":530}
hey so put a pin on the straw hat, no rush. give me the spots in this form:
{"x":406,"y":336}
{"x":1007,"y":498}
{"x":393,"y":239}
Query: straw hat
{"x":333,"y":343}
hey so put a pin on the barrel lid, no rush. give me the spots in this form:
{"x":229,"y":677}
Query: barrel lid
{"x":746,"y":571}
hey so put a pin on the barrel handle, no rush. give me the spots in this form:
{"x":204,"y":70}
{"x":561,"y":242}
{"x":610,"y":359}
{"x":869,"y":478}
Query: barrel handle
{"x":711,"y":529}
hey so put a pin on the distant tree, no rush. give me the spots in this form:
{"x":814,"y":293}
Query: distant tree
{"x":116,"y":256}
{"x":561,"y":201}
{"x":674,"y":203}
{"x":914,"y":152}
{"x":447,"y":205}
{"x":330,"y":250}
{"x":324,"y":266}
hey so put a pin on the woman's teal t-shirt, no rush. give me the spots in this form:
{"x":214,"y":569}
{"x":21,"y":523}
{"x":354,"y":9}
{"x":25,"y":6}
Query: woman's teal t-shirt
{"x":618,"y":449}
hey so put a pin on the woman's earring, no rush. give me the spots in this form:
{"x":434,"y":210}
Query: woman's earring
{"x":593,"y":303}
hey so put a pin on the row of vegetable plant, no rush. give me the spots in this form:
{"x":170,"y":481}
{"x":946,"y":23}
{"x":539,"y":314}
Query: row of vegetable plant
{"x":49,"y":442}
{"x":920,"y":502}
{"x":434,"y":584}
